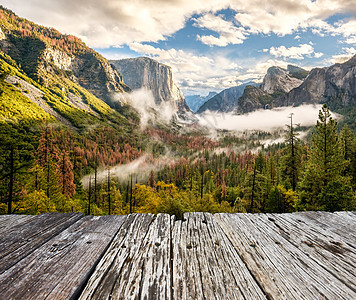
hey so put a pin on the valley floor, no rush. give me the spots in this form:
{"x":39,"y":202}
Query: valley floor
{"x":305,"y":255}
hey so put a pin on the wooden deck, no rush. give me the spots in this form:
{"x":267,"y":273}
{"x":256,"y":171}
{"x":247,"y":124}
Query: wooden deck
{"x":309,"y":255}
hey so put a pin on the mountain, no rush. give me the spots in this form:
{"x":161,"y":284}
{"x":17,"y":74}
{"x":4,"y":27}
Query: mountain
{"x":225,"y":101}
{"x":59,"y":75}
{"x":334,"y":85}
{"x":196,"y":101}
{"x":253,"y":98}
{"x":41,"y":50}
{"x":280,"y":80}
{"x":149,"y":74}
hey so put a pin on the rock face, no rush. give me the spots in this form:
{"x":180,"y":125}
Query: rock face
{"x":146,"y":73}
{"x":251,"y":100}
{"x":196,"y":101}
{"x":44,"y":50}
{"x":335,"y":85}
{"x":225,"y":101}
{"x":279,"y":80}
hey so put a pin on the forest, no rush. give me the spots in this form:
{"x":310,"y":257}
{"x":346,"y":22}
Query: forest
{"x":42,"y":166}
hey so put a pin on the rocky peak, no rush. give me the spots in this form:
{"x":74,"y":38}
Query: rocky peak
{"x":279,"y":80}
{"x":335,"y":85}
{"x":149,"y":74}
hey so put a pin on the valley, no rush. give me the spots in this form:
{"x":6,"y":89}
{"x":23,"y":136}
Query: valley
{"x":80,"y":133}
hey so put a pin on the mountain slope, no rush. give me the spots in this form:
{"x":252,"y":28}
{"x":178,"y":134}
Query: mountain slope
{"x":225,"y":101}
{"x":41,"y":50}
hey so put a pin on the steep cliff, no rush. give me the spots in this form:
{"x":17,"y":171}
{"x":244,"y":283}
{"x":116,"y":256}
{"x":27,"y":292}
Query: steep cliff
{"x":225,"y":101}
{"x":44,"y":52}
{"x":279,"y":80}
{"x":334,"y":85}
{"x":149,"y":74}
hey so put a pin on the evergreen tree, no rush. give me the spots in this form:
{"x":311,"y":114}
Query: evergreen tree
{"x":290,"y":161}
{"x":323,"y":186}
{"x":348,"y":149}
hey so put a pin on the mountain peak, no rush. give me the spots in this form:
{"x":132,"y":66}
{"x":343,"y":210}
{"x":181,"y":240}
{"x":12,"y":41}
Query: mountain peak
{"x":279,"y":80}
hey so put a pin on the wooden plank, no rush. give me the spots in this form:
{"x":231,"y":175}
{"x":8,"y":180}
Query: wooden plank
{"x":205,"y":263}
{"x":22,"y":239}
{"x":341,"y":223}
{"x":59,"y":268}
{"x":323,"y":246}
{"x":136,"y":266}
{"x":283,"y":270}
{"x":9,"y":221}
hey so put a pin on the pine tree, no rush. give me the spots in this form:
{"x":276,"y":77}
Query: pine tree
{"x":348,"y":149}
{"x":291,"y":159}
{"x":323,"y":186}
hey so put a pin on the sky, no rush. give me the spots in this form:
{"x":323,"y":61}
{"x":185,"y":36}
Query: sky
{"x":210,"y":44}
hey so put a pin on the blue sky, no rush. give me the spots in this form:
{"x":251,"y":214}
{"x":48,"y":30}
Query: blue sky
{"x":210,"y":44}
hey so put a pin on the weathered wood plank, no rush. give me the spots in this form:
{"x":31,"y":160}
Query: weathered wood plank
{"x":59,"y":268}
{"x":22,"y":239}
{"x":341,"y":223}
{"x":205,"y":263}
{"x":324,"y":247}
{"x":9,"y":221}
{"x":282,"y":269}
{"x":136,"y":266}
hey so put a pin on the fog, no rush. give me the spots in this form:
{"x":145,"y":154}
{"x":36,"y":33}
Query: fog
{"x":263,"y":120}
{"x":139,"y":168}
{"x":150,"y":112}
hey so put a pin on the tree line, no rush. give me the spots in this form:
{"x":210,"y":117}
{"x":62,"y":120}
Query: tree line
{"x":46,"y":176}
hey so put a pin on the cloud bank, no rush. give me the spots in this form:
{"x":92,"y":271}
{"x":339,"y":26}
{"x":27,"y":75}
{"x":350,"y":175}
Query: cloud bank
{"x":103,"y":23}
{"x":263,"y":120}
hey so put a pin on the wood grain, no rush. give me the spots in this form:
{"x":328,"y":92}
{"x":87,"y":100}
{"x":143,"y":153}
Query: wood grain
{"x":59,"y":268}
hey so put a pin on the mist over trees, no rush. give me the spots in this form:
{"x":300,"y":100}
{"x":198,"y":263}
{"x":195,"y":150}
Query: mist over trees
{"x":41,"y":171}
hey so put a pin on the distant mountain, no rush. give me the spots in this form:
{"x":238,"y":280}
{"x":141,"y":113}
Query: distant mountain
{"x":334,"y":85}
{"x":196,"y":101}
{"x":280,"y":80}
{"x":144,"y":72}
{"x":226,"y":100}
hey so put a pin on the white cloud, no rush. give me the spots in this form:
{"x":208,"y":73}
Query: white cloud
{"x":103,"y":23}
{"x":351,"y":40}
{"x":345,"y":55}
{"x":192,"y":71}
{"x":228,"y":32}
{"x":318,"y":54}
{"x":292,"y":52}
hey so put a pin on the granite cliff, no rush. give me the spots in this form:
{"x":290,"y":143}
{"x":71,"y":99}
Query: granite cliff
{"x":279,"y":80}
{"x":334,"y":85}
{"x":149,"y":74}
